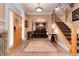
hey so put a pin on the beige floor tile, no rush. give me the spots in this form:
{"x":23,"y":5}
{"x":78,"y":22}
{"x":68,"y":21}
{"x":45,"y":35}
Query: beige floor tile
{"x":39,"y":47}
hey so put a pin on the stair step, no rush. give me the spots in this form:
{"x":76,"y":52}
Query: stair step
{"x":66,"y":31}
{"x":77,"y":41}
{"x":77,"y":50}
{"x":64,"y":28}
{"x":68,"y":35}
{"x":62,"y":24}
{"x":69,"y":39}
{"x":77,"y":38}
{"x":78,"y":47}
{"x":77,"y":44}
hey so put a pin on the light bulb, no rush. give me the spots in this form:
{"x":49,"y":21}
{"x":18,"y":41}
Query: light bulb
{"x":38,"y":9}
{"x":56,"y":8}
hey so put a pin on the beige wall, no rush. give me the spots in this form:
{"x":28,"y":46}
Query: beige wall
{"x":1,"y":16}
{"x":1,"y":10}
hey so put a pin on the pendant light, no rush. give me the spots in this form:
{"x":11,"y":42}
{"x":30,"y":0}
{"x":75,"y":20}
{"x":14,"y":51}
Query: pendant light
{"x":38,"y":9}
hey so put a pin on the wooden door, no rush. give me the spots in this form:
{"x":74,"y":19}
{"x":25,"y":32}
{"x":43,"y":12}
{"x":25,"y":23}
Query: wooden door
{"x":17,"y":30}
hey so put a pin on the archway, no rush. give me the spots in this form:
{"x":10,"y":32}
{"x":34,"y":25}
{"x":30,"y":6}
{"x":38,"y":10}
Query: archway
{"x":39,"y":27}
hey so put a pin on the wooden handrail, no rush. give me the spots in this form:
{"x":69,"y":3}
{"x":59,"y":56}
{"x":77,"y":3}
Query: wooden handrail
{"x":73,"y":45}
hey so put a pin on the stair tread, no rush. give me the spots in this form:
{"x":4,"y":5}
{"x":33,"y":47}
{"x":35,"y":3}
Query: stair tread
{"x":77,"y":44}
{"x":68,"y":36}
{"x":65,"y":29}
{"x":78,"y":47}
{"x":77,"y":51}
{"x":78,"y":38}
{"x":67,"y":33}
{"x":77,"y":41}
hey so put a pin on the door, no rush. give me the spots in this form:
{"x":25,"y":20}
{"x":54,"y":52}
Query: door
{"x":17,"y":30}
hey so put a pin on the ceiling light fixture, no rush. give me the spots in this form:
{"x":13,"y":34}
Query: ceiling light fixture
{"x":56,"y":8}
{"x":38,"y":9}
{"x":40,"y":25}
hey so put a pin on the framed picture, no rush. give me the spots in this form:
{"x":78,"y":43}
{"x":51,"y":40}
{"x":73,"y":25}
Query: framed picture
{"x":26,"y":23}
{"x":75,"y":15}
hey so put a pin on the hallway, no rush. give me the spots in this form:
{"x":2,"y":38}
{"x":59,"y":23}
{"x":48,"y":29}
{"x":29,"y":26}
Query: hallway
{"x":39,"y":46}
{"x":27,"y":28}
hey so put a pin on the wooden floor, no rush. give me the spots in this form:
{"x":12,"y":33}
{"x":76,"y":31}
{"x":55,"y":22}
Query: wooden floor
{"x":39,"y":47}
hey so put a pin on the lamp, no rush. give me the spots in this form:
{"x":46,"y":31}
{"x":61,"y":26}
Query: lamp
{"x":38,"y":9}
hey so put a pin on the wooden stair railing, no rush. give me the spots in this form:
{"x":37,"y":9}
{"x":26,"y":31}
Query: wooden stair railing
{"x":70,"y":34}
{"x":64,"y":28}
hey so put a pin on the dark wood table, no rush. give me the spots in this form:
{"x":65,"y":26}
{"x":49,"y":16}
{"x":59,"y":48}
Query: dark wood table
{"x":53,"y":37}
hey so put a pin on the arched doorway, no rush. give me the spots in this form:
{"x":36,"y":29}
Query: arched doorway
{"x":39,"y":27}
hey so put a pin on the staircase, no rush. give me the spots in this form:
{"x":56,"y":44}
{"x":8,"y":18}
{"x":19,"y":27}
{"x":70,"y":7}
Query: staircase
{"x":77,"y":45}
{"x":67,"y":33}
{"x":64,"y":28}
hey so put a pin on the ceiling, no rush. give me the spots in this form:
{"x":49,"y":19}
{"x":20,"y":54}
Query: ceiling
{"x":47,"y":7}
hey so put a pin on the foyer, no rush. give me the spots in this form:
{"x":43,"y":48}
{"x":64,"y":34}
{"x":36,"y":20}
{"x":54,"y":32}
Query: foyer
{"x":39,"y":29}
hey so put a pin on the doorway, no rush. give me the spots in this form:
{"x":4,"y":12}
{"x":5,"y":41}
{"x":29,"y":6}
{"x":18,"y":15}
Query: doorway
{"x":40,"y":30}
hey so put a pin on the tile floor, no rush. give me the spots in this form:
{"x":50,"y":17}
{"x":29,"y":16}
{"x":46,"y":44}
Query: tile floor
{"x":39,"y":47}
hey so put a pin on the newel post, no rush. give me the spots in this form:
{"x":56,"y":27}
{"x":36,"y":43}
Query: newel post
{"x":73,"y":40}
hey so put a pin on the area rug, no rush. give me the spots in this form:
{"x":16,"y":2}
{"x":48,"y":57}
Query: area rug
{"x":40,"y":46}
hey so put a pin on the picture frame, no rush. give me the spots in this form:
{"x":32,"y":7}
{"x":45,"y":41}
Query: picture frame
{"x":75,"y":15}
{"x":26,"y":23}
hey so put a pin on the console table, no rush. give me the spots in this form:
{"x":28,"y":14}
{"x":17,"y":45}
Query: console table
{"x":54,"y":37}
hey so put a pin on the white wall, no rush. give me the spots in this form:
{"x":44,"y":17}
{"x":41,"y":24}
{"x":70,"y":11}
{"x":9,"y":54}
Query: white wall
{"x":1,"y":17}
{"x":11,"y":31}
{"x":1,"y":10}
